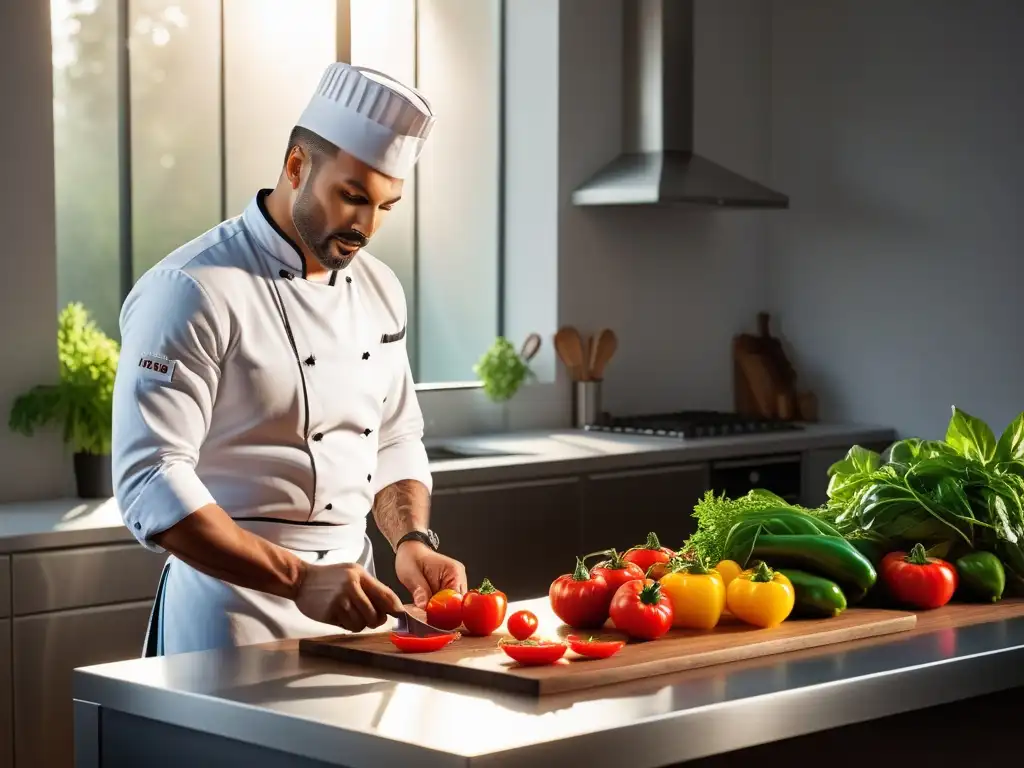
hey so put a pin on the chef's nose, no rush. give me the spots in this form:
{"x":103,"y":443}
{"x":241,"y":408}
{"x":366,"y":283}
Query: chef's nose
{"x":366,"y":220}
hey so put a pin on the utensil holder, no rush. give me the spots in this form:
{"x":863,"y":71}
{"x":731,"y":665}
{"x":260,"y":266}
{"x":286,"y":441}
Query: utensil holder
{"x":586,"y":405}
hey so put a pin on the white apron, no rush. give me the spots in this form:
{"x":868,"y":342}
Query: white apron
{"x":290,"y":403}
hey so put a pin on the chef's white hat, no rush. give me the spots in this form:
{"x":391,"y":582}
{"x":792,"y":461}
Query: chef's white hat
{"x":371,"y":116}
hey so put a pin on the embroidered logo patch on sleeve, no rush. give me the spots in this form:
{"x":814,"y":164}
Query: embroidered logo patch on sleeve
{"x":156,"y":367}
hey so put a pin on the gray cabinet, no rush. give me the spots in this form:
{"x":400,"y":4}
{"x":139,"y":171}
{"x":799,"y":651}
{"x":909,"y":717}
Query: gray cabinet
{"x":519,"y":535}
{"x":6,"y":713}
{"x":621,"y":508}
{"x":47,"y":647}
{"x":5,"y":586}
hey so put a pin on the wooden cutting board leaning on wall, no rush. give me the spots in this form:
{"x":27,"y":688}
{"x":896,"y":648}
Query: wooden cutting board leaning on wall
{"x":765,"y":381}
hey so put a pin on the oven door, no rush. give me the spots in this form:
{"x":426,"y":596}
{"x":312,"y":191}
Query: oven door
{"x":779,"y":474}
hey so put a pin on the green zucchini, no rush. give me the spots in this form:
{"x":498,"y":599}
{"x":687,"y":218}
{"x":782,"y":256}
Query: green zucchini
{"x":830,"y":556}
{"x":816,"y":598}
{"x":770,"y":521}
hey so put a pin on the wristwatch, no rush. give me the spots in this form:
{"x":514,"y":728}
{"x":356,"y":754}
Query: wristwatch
{"x":428,"y":537}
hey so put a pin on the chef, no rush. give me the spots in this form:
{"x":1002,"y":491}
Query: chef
{"x":264,"y":403}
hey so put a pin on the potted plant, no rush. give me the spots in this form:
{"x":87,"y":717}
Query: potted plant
{"x":502,"y":370}
{"x":81,"y":401}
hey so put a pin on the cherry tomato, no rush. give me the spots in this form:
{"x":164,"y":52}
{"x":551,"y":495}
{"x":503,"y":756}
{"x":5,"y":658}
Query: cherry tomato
{"x":594,"y":649}
{"x":522,"y":624}
{"x":444,"y":610}
{"x":648,"y":554}
{"x":642,"y":610}
{"x":409,"y":643}
{"x":483,"y":609}
{"x":616,"y":571}
{"x":580,"y":599}
{"x":534,"y":652}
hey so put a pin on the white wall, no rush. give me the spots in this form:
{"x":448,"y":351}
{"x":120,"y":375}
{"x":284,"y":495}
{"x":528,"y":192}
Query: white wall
{"x":897,"y":274}
{"x":28,"y":294}
{"x":675,"y":286}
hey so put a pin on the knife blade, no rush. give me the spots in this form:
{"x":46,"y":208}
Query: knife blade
{"x":406,"y":623}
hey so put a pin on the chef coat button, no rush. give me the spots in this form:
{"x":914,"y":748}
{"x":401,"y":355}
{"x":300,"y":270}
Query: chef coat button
{"x":348,"y":279}
{"x":367,"y":431}
{"x":369,"y":477}
{"x":318,"y":436}
{"x":138,"y":526}
{"x":328,"y":506}
{"x":366,"y":355}
{"x":311,"y":360}
{"x":286,"y":274}
{"x":385,"y":399}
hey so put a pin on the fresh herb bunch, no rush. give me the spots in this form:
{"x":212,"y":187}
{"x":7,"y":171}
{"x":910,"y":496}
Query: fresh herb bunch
{"x":501,"y":370}
{"x":954,"y":496}
{"x":716,"y":516}
{"x":82,"y":400}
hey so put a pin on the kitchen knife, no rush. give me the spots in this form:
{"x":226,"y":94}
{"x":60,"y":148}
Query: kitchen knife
{"x":406,"y":623}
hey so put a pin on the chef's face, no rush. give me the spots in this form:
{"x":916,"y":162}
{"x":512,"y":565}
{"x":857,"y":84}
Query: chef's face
{"x":339,"y":204}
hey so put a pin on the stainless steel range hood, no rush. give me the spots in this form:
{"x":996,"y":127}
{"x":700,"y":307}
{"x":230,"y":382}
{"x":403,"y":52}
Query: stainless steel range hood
{"x":658,"y":164}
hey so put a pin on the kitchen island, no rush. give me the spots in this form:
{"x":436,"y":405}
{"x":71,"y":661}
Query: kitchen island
{"x":270,"y":706}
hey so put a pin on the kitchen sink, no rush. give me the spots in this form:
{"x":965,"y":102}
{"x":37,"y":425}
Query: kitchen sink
{"x":450,"y":453}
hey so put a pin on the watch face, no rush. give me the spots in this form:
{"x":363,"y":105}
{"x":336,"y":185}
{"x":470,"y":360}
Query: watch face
{"x":434,"y":541}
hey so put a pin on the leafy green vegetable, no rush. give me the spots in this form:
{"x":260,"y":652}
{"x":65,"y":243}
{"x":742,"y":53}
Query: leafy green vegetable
{"x":953,"y":496}
{"x":717,"y":515}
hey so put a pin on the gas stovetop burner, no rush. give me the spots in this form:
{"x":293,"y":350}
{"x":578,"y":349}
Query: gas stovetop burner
{"x":685,"y":424}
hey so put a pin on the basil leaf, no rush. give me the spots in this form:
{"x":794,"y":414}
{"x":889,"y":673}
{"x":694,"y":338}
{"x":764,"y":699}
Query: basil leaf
{"x":1011,"y":443}
{"x":971,"y":437}
{"x":857,"y":460}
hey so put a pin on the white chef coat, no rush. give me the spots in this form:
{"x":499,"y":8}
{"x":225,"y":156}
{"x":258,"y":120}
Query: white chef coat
{"x":287,"y":401}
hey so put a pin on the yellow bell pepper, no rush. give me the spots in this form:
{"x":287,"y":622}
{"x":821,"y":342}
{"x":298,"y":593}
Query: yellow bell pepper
{"x":760,"y":596}
{"x":729,"y":569}
{"x":697,"y":594}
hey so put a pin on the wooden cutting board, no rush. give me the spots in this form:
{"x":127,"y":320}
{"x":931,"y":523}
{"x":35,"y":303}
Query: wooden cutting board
{"x":478,"y":660}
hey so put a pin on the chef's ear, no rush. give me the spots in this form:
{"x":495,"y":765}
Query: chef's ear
{"x":293,"y":166}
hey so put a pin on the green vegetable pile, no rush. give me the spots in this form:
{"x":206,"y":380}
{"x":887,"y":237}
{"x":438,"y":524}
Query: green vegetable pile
{"x":955,"y":496}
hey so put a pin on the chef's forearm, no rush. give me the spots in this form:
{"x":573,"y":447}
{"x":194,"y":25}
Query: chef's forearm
{"x":211,"y":542}
{"x":402,"y":507}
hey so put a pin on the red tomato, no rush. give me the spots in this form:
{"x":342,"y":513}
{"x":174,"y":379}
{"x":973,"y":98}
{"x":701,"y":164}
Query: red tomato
{"x":649,"y":553}
{"x":641,"y":609}
{"x":580,"y":598}
{"x":918,"y":580}
{"x":522,"y":624}
{"x":594,"y":649}
{"x":444,"y":610}
{"x":534,"y":652}
{"x":617,"y":571}
{"x":409,"y":643}
{"x":483,"y":609}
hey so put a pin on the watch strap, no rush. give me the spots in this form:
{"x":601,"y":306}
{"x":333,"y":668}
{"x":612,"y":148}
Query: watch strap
{"x":427,"y":537}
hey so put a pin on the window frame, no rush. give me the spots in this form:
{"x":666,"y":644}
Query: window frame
{"x":125,"y":178}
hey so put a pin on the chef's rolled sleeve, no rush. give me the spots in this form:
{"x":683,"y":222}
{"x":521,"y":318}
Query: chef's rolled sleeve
{"x":162,"y":416}
{"x":401,"y":454}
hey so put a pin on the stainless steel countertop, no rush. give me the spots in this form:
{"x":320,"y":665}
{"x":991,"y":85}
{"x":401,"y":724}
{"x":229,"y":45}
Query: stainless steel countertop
{"x":525,"y":455}
{"x":321,"y":709}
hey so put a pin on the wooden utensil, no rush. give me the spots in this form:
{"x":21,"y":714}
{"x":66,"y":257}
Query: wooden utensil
{"x":569,"y":347}
{"x":478,"y":660}
{"x":530,"y":347}
{"x":604,"y":348}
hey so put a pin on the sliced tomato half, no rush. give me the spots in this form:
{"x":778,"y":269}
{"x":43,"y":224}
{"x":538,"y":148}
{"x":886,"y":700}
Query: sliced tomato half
{"x":594,"y":649}
{"x":534,"y":652}
{"x":409,"y":643}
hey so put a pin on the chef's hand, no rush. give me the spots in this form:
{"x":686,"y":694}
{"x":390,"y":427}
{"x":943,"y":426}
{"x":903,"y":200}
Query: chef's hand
{"x":425,"y":572}
{"x":345,"y":595}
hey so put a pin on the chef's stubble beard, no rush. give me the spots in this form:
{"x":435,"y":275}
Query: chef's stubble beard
{"x":308,"y":217}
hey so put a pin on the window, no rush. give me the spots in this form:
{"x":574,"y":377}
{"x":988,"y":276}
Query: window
{"x":169,"y":115}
